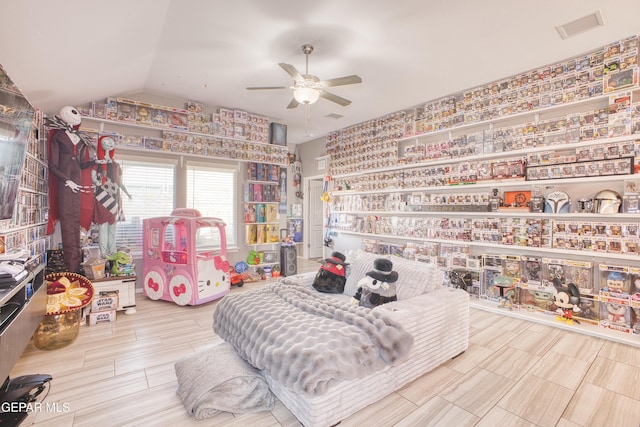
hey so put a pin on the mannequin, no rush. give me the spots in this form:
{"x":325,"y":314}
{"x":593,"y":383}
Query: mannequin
{"x":107,"y":181}
{"x":70,"y":198}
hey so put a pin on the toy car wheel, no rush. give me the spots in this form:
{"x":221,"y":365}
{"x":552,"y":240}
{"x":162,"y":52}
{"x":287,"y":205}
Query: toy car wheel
{"x":240,"y":283}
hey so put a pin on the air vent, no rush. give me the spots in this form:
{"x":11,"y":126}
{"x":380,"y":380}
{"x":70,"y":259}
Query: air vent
{"x":334,"y":116}
{"x":581,"y":25}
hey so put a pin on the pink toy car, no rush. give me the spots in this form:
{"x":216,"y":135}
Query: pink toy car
{"x":185,"y":258}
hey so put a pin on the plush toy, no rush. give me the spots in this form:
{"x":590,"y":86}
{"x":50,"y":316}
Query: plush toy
{"x":331,"y":276}
{"x":378,"y":286}
{"x":567,"y":298}
{"x":121,"y":263}
{"x":70,"y":195}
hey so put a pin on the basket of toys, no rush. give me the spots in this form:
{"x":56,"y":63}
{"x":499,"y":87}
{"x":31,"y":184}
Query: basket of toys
{"x":67,"y":295}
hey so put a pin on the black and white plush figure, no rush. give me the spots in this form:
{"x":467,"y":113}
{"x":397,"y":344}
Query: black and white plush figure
{"x":378,"y":286}
{"x":331,"y":276}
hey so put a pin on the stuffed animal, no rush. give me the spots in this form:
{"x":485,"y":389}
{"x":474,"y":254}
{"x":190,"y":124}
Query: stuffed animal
{"x":567,"y":298}
{"x":331,"y":277}
{"x":121,"y":263}
{"x":378,"y":286}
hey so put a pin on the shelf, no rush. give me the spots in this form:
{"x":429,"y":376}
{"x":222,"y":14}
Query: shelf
{"x":531,"y":113}
{"x":264,"y":203}
{"x":549,"y":320}
{"x":252,"y":181}
{"x":409,"y":177}
{"x":582,"y":254}
{"x":169,"y":129}
{"x":502,"y":214}
{"x":260,"y":223}
{"x":491,"y":156}
{"x":488,"y":124}
{"x":490,"y":184}
{"x":271,"y":147}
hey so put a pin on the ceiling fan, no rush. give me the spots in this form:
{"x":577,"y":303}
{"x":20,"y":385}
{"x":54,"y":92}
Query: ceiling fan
{"x":307,"y":88}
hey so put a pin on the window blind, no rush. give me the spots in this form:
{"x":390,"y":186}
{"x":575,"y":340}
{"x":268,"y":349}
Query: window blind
{"x":151,"y":185}
{"x":211,"y":189}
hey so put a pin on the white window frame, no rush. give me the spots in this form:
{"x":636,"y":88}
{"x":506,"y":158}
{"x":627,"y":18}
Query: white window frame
{"x":230,"y":217}
{"x":131,"y":217}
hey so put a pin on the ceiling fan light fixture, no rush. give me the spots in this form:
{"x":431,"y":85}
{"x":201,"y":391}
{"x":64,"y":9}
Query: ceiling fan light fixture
{"x":306,"y":95}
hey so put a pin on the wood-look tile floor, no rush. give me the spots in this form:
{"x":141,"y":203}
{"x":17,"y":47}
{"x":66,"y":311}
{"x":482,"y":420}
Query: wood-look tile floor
{"x":515,"y":373}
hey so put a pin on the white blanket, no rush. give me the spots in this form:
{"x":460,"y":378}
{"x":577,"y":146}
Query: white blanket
{"x":306,"y":340}
{"x":217,"y":379}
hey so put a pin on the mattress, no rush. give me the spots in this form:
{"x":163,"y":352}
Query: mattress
{"x":439,"y":323}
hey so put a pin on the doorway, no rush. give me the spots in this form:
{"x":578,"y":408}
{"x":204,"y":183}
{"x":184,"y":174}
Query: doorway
{"x":314,"y":217}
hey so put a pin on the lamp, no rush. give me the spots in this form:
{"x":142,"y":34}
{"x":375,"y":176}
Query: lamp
{"x":306,"y":95}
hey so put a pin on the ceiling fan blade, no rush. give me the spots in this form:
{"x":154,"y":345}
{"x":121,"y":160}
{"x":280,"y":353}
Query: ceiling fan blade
{"x":335,"y":98}
{"x":267,"y":87}
{"x":293,"y":103}
{"x":341,"y":81}
{"x":291,"y":70}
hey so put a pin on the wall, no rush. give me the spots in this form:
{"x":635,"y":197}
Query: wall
{"x":309,"y":151}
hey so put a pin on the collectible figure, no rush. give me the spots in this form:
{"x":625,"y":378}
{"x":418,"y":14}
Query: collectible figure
{"x":331,"y":277}
{"x":378,"y":286}
{"x":567,"y":299}
{"x":615,"y":313}
{"x":615,"y":283}
{"x":107,"y":180}
{"x":70,"y":195}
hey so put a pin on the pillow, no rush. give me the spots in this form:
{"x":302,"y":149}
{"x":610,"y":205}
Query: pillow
{"x":360,"y":262}
{"x":414,"y":278}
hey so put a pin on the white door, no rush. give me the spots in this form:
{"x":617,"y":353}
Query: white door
{"x":315,"y":216}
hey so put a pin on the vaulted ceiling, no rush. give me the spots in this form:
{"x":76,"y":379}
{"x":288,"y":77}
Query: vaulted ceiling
{"x":71,"y":52}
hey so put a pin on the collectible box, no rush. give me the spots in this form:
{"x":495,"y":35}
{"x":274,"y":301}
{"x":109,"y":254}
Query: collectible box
{"x":614,"y":281}
{"x":99,"y":110}
{"x":160,"y":116}
{"x":102,"y":317}
{"x":144,"y":114}
{"x":94,"y":268}
{"x":580,"y":273}
{"x":553,"y":268}
{"x":615,"y":314}
{"x":295,"y":229}
{"x":126,"y":110}
{"x":589,"y":310}
{"x":104,"y":301}
{"x":530,"y":270}
{"x":111,"y":109}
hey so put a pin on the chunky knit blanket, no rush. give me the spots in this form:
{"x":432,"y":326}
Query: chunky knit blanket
{"x":308,"y":341}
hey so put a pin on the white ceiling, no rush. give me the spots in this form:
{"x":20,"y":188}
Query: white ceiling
{"x":71,"y":52}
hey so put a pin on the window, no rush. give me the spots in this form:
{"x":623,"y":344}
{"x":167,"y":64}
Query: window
{"x":211,"y":189}
{"x":151,"y":185}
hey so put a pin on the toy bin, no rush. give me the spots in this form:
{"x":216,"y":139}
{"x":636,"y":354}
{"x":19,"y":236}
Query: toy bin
{"x":185,"y":258}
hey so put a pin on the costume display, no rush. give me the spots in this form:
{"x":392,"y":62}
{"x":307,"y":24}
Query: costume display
{"x":107,"y":180}
{"x":331,"y":277}
{"x":70,"y":194}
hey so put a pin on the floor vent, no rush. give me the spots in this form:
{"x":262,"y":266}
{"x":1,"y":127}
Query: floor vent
{"x":581,"y":25}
